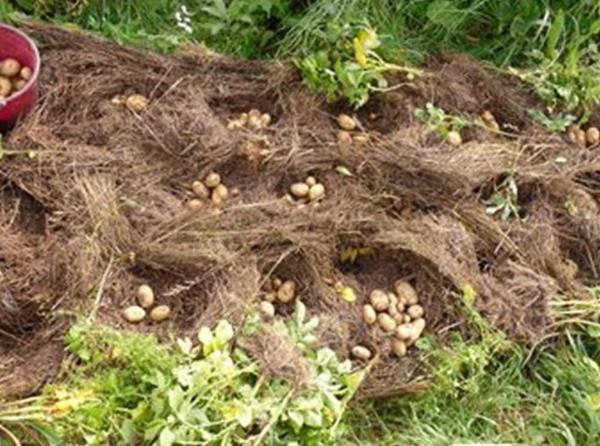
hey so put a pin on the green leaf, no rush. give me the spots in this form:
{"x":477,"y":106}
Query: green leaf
{"x":224,"y":332}
{"x":176,"y":396}
{"x":556,"y":30}
{"x":166,"y":438}
{"x":313,"y":418}
{"x":296,"y":418}
{"x":353,"y":380}
{"x":443,"y":13}
{"x":185,"y":345}
{"x":205,"y":336}
{"x":300,"y":312}
{"x":127,"y":430}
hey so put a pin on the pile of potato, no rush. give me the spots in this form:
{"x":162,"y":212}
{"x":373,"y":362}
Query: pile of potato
{"x":489,"y":120}
{"x":397,"y":314}
{"x":145,"y":300}
{"x":253,"y":120}
{"x":276,"y":290}
{"x":584,"y":138}
{"x":309,"y":191}
{"x":13,"y":77}
{"x":137,"y":103}
{"x":345,"y":136}
{"x":210,"y":189}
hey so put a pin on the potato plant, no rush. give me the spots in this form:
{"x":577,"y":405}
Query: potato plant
{"x":131,"y":389}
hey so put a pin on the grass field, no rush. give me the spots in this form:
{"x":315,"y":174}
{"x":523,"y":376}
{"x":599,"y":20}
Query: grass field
{"x":484,"y":387}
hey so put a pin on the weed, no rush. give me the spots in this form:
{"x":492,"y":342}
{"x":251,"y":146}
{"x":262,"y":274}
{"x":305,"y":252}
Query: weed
{"x":25,"y":420}
{"x":440,"y":122}
{"x":558,"y":123}
{"x":504,"y":200}
{"x":129,"y":388}
{"x":345,"y":64}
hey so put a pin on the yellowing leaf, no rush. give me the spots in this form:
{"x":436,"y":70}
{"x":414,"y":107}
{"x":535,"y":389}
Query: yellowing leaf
{"x":469,"y":294}
{"x":359,"y":52}
{"x":366,"y":251}
{"x":347,"y":294}
{"x":348,"y":254}
{"x":595,"y":401}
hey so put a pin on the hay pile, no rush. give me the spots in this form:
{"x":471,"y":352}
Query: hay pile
{"x":100,"y":208}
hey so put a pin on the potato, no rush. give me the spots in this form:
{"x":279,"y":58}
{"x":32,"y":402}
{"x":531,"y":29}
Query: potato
{"x":136,"y":103}
{"x":392,"y":298}
{"x":134,"y":314}
{"x":200,"y":189}
{"x":270,"y":297}
{"x":289,"y":199}
{"x":393,"y":311}
{"x":5,"y":87}
{"x":194,"y":205}
{"x":405,"y":292}
{"x":311,"y":181}
{"x":222,"y":191}
{"x":160,"y":313}
{"x":267,"y":309}
{"x":235,"y":191}
{"x":18,"y":84}
{"x":379,"y":300}
{"x":369,"y":315}
{"x":145,"y":296}
{"x":407,"y":319}
{"x":299,"y":190}
{"x":490,"y":121}
{"x":277,"y":282}
{"x":386,"y":322}
{"x":265,"y":120}
{"x":415,"y":311}
{"x":572,"y":134}
{"x":316,"y":192}
{"x":454,"y":138}
{"x":254,"y":123}
{"x":286,"y":292}
{"x":398,"y":317}
{"x":346,"y":122}
{"x":400,"y":306}
{"x":212,"y":180}
{"x":360,"y":140}
{"x":26,"y":73}
{"x":360,"y":352}
{"x":418,"y":327}
{"x":592,"y":136}
{"x":235,"y":124}
{"x":581,"y":138}
{"x":398,"y":347}
{"x":216,"y":199}
{"x":344,"y":137}
{"x":10,"y":67}
{"x":254,"y":113}
{"x":404,"y":331}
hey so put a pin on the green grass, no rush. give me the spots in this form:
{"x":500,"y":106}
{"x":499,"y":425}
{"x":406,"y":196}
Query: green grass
{"x":550,"y":43}
{"x":490,"y":389}
{"x":551,"y":400}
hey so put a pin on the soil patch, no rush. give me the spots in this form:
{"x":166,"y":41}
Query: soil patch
{"x":100,"y":209}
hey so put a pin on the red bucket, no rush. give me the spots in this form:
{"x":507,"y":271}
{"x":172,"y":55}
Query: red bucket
{"x":15,"y":44}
